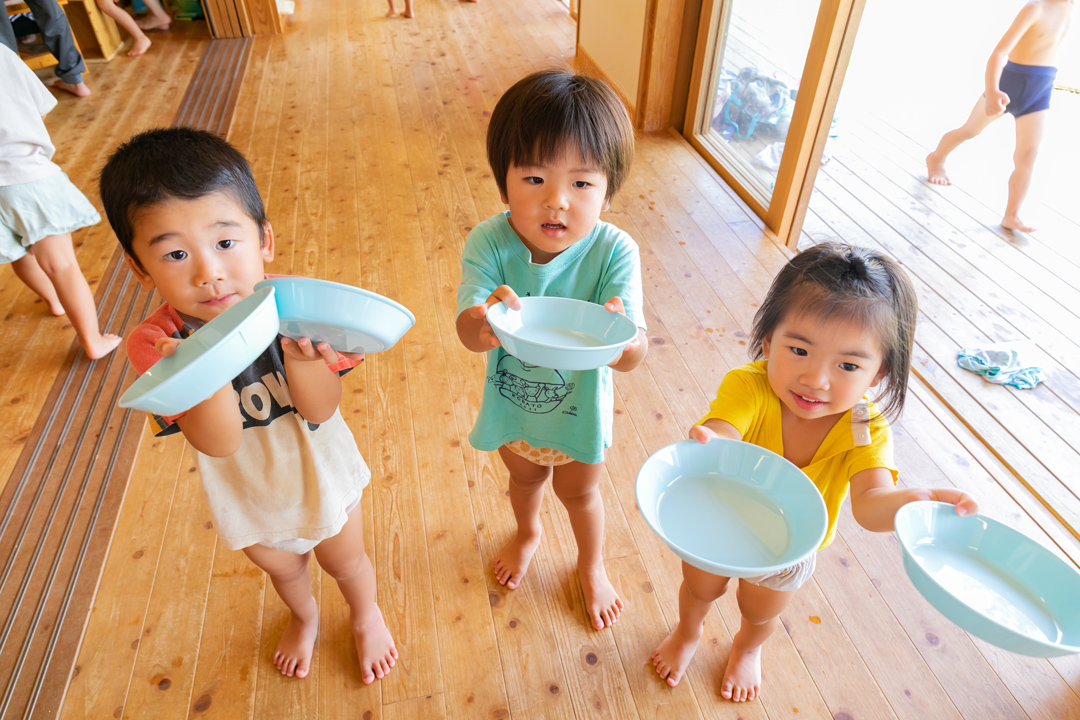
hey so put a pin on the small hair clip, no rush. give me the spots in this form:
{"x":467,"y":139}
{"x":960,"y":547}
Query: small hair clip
{"x":860,"y":423}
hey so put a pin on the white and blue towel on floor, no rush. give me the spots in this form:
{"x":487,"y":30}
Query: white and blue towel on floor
{"x":1002,"y":363}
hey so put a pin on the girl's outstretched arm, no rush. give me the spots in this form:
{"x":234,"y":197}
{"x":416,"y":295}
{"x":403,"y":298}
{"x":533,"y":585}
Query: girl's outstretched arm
{"x":875,"y":500}
{"x":714,"y":428}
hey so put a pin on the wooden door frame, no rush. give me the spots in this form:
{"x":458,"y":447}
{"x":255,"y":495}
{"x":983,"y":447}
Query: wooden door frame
{"x":823,"y":75}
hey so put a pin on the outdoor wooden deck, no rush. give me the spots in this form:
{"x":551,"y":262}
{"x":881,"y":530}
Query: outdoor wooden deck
{"x":977,"y":284}
{"x":367,"y":140}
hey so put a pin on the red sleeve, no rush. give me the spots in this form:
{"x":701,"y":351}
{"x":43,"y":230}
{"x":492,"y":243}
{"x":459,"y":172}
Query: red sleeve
{"x":142,"y":354}
{"x":344,"y":364}
{"x":141,"y":350}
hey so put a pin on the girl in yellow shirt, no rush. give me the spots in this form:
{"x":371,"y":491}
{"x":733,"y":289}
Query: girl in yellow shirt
{"x":837,"y":321}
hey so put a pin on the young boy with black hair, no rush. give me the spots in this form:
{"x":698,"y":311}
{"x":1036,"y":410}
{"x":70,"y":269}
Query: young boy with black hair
{"x":280,"y":468}
{"x":559,"y":145}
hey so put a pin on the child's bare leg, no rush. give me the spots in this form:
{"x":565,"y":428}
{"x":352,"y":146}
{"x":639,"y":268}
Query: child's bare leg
{"x":977,"y":121}
{"x":527,"y":481}
{"x":27,"y":269}
{"x":1029,"y":135}
{"x":291,"y":578}
{"x":343,"y":557}
{"x":578,"y":487}
{"x":760,"y":608}
{"x":57,"y":259}
{"x":392,"y":11}
{"x":696,"y":594}
{"x":140,"y":43}
{"x":408,"y":9}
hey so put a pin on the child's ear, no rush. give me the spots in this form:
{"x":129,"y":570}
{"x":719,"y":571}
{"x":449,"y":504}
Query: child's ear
{"x":145,"y":280}
{"x":766,"y":342}
{"x":268,"y":243}
{"x":880,"y":375}
{"x":505,"y":198}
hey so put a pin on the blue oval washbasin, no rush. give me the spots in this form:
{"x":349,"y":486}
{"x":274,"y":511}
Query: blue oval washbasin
{"x":348,"y":318}
{"x":209,"y":359}
{"x":561,"y":333}
{"x":993,"y":581}
{"x":731,"y":508}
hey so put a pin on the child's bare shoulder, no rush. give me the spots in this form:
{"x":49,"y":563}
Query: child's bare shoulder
{"x":1047,"y":12}
{"x":1038,"y":31}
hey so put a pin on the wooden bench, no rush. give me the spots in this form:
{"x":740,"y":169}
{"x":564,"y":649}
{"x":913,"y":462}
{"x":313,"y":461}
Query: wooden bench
{"x":96,"y":35}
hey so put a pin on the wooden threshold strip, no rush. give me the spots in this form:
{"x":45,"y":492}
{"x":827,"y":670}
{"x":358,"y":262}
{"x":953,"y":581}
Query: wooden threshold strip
{"x":59,"y":507}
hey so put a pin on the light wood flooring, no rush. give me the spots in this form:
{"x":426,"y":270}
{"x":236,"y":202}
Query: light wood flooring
{"x":367,"y":140}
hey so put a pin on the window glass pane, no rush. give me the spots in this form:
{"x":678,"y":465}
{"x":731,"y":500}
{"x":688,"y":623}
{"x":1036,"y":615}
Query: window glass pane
{"x":761,"y":51}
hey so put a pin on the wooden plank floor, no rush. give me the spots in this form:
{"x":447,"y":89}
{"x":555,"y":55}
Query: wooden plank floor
{"x":367,"y":140}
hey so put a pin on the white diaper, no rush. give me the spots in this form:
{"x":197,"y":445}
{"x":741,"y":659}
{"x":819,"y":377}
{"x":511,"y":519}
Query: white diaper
{"x":788,"y":579}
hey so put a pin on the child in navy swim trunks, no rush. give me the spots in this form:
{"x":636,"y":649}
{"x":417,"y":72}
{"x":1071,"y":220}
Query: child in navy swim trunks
{"x":1019,"y":79}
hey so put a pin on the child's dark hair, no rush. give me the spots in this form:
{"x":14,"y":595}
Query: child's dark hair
{"x":836,"y":280}
{"x":182,"y":163}
{"x":552,"y":111}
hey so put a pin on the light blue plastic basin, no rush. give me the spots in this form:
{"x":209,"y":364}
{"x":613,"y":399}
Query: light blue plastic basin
{"x":209,"y":359}
{"x":561,"y":333}
{"x":349,"y":318}
{"x":731,"y":508}
{"x":993,"y":581}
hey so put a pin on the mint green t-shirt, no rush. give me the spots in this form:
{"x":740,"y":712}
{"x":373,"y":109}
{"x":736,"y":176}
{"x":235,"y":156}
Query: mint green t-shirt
{"x":567,"y":410}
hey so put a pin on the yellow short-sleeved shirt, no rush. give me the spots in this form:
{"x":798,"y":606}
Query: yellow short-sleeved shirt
{"x":746,"y":400}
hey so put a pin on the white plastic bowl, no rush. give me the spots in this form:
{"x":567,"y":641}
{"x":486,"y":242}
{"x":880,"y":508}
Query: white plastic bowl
{"x":209,"y":359}
{"x":561,"y":333}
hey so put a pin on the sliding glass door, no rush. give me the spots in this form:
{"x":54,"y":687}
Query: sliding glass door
{"x":766,"y":77}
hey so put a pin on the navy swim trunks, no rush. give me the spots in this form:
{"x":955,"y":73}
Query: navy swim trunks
{"x":1028,"y":87}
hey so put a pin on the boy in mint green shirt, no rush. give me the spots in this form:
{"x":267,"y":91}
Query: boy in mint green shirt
{"x":559,"y":145}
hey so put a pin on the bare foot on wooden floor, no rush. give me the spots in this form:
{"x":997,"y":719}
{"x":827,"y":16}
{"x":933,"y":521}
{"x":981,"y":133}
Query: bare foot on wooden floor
{"x":1013,"y":222}
{"x":77,"y":89}
{"x":674,"y":655}
{"x":139,"y":46}
{"x":935,"y":169}
{"x":374,"y":647}
{"x":742,"y":679}
{"x":293,"y":654}
{"x":513,"y":560}
{"x":100,"y":346}
{"x":601,"y":601}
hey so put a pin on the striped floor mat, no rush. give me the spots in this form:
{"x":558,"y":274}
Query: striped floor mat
{"x":59,"y":508}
